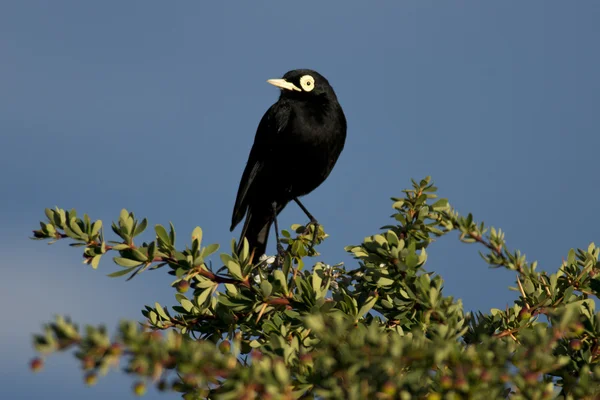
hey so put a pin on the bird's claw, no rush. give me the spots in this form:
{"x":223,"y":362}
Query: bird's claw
{"x":315,"y":233}
{"x":280,"y":249}
{"x":280,"y":255}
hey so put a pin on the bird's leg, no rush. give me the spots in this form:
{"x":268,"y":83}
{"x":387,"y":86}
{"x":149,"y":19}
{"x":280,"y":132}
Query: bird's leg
{"x":280,"y":249}
{"x":313,"y":222}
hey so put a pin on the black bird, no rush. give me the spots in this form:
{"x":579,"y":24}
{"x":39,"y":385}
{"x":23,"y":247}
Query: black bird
{"x":297,"y":143}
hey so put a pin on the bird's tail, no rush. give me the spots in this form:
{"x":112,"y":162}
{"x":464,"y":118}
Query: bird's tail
{"x":256,"y":229}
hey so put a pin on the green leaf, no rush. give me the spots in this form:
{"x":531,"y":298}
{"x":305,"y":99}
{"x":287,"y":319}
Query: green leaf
{"x":201,"y":298}
{"x":72,"y":234}
{"x":123,"y":215}
{"x":245,"y":253}
{"x":433,"y":296}
{"x":569,"y":314}
{"x":568,"y":293}
{"x":225,"y":258}
{"x":141,"y":227}
{"x":412,"y":260}
{"x":235,"y":270}
{"x":138,"y":255}
{"x":59,"y":217}
{"x":49,"y":214}
{"x":161,"y":311}
{"x":591,"y":248}
{"x":203,"y":282}
{"x":151,"y":251}
{"x":281,"y":373}
{"x":210,"y":249}
{"x":232,"y":289}
{"x":121,"y":272}
{"x":398,"y":204}
{"x":280,"y":277}
{"x":440,"y":205}
{"x":197,"y":235}
{"x":153,"y":317}
{"x":383,"y":282}
{"x":266,"y":288}
{"x":316,"y":279}
{"x":571,"y":257}
{"x":126,"y":221}
{"x":162,"y":234}
{"x":392,"y":238}
{"x":96,"y":227}
{"x":367,"y":306}
{"x":95,"y":261}
{"x":172,"y":234}
{"x":187,"y":305}
{"x":126,"y":262}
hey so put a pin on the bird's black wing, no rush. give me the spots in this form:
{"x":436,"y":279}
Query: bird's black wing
{"x":272,"y":123}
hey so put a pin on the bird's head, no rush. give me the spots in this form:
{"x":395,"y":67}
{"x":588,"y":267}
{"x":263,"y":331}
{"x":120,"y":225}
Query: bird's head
{"x":303,"y":83}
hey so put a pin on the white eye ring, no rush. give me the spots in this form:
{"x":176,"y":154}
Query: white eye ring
{"x":307,"y":83}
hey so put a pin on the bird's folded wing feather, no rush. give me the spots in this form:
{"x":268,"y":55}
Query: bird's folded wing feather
{"x":273,"y":122}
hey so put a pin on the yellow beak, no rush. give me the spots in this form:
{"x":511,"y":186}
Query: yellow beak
{"x":283,"y":84}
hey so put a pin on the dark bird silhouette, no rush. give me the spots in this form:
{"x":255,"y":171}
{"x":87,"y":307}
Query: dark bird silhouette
{"x":297,"y":143}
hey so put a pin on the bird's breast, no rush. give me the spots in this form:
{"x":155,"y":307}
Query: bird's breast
{"x":309,"y":149}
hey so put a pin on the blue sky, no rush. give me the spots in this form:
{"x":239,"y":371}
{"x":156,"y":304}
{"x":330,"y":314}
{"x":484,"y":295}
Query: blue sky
{"x":153,"y":107}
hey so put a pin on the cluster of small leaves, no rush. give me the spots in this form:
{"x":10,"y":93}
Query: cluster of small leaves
{"x":391,"y":267}
{"x":257,"y":329}
{"x":171,"y":361}
{"x":65,"y":224}
{"x":545,"y":302}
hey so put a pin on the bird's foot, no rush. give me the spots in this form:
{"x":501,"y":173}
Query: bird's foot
{"x":315,"y":224}
{"x":280,"y":255}
{"x":280,"y":249}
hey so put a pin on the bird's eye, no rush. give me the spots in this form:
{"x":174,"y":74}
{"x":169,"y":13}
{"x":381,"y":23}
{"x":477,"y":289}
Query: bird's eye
{"x":307,"y":83}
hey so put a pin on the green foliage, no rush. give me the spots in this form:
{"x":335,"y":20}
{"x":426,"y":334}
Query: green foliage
{"x":382,"y":330}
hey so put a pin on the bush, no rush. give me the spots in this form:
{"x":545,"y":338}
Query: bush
{"x":274,"y":329}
